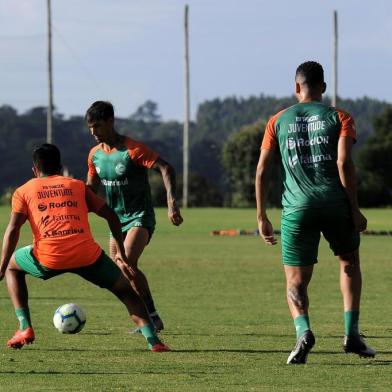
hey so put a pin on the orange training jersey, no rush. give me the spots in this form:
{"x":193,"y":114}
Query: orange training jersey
{"x":57,"y":208}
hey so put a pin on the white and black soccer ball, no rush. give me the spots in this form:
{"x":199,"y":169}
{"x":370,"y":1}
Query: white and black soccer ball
{"x":69,"y":318}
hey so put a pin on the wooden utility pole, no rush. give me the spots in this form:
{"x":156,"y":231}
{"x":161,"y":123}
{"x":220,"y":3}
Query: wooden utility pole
{"x":335,"y":59}
{"x":49,"y":122}
{"x":185,"y":186}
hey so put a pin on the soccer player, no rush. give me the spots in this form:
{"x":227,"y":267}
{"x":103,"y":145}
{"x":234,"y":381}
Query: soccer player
{"x":120,"y":164}
{"x":314,"y":142}
{"x":57,"y":209}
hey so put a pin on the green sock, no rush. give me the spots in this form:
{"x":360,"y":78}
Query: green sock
{"x":302,"y":324}
{"x":351,"y":319}
{"x":23,"y":315}
{"x":149,"y":334}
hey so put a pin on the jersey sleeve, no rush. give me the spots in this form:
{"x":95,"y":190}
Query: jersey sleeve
{"x":19,"y":204}
{"x":91,"y":167}
{"x":94,"y":202}
{"x":141,"y":154}
{"x":269,"y":139}
{"x":347,"y":125}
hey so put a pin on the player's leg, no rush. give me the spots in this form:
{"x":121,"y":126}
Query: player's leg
{"x":138,"y":312}
{"x":17,"y":289}
{"x":297,"y":281}
{"x":300,"y":239}
{"x":135,"y":241}
{"x":351,"y":286}
{"x":106,"y":274}
{"x":338,"y":230}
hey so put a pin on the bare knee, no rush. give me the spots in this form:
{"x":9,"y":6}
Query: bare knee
{"x":132,"y":260}
{"x":350,"y":263}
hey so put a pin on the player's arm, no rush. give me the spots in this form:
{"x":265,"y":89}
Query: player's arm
{"x":266,"y":230}
{"x":348,"y":179}
{"x":169,"y":180}
{"x":93,"y":181}
{"x":10,"y":240}
{"x":98,"y":206}
{"x":120,"y":258}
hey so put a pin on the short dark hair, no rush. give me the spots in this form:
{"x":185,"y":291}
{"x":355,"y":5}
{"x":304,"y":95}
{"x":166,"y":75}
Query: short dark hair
{"x":100,"y":110}
{"x":47,"y":159}
{"x":312,"y":72}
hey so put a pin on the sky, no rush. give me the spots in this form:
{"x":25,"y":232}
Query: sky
{"x":131,"y":51}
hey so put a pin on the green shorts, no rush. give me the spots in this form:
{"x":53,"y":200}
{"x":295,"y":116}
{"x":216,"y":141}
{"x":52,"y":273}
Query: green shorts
{"x":146,"y":221}
{"x":103,"y":273}
{"x":301,"y":233}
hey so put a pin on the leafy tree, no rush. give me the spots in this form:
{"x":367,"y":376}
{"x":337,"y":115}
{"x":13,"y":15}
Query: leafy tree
{"x":148,"y":113}
{"x":375,"y":164}
{"x":202,"y":193}
{"x":240,"y":156}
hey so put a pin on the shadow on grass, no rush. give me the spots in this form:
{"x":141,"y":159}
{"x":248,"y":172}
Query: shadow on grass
{"x":53,"y":372}
{"x":257,"y":334}
{"x":229,"y":350}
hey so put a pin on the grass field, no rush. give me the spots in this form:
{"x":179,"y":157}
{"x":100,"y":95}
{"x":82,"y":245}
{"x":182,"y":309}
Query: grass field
{"x":223,"y":302}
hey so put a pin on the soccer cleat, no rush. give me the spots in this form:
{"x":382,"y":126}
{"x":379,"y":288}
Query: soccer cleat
{"x":357,"y":345}
{"x":301,"y":350}
{"x":160,"y":348}
{"x":21,"y":338}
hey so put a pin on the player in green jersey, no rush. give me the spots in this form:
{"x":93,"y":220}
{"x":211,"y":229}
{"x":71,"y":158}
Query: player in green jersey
{"x":314,"y":142}
{"x":120,"y":164}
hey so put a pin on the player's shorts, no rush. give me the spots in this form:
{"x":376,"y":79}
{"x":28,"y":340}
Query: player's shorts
{"x":103,"y":273}
{"x":301,"y":233}
{"x":146,"y":221}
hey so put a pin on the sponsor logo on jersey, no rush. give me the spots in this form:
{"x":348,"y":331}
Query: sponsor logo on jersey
{"x":67,"y":217}
{"x":309,"y":159}
{"x":114,"y":182}
{"x":120,"y":169}
{"x":98,"y":169}
{"x":45,"y":220}
{"x":292,"y":143}
{"x":62,"y":233}
{"x":67,"y":203}
{"x":42,"y":207}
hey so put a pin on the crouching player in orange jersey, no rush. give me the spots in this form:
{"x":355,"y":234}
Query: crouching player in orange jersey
{"x":57,"y":209}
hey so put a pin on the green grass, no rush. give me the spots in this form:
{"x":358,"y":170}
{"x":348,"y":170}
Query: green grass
{"x":223,"y":302}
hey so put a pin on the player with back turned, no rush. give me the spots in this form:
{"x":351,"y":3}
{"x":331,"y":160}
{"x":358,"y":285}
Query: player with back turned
{"x":57,"y":209}
{"x":315,"y":143}
{"x":120,"y":164}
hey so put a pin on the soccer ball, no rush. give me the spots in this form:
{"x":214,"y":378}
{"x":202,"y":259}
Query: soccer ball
{"x":69,"y":318}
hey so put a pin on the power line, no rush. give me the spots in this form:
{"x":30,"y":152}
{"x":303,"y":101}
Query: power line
{"x":85,"y":69}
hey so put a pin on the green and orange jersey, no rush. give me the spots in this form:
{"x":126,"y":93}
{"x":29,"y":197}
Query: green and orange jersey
{"x":123,"y":174}
{"x":57,"y":208}
{"x":307,"y":135}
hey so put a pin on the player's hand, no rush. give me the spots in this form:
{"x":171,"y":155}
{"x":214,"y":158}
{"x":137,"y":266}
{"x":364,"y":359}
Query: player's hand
{"x":174,"y":215}
{"x":360,"y":222}
{"x":266,"y":232}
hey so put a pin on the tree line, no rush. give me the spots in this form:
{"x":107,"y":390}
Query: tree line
{"x":224,"y":147}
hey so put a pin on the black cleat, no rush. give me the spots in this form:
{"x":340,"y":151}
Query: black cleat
{"x":357,"y":345}
{"x":301,"y":350}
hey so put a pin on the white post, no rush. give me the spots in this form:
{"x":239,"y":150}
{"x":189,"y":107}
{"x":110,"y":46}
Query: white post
{"x":335,"y":59}
{"x":185,"y":186}
{"x":49,"y":131}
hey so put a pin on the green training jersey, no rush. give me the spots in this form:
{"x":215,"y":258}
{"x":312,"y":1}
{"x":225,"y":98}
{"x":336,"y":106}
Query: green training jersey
{"x":123,"y":174}
{"x":307,"y":136}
